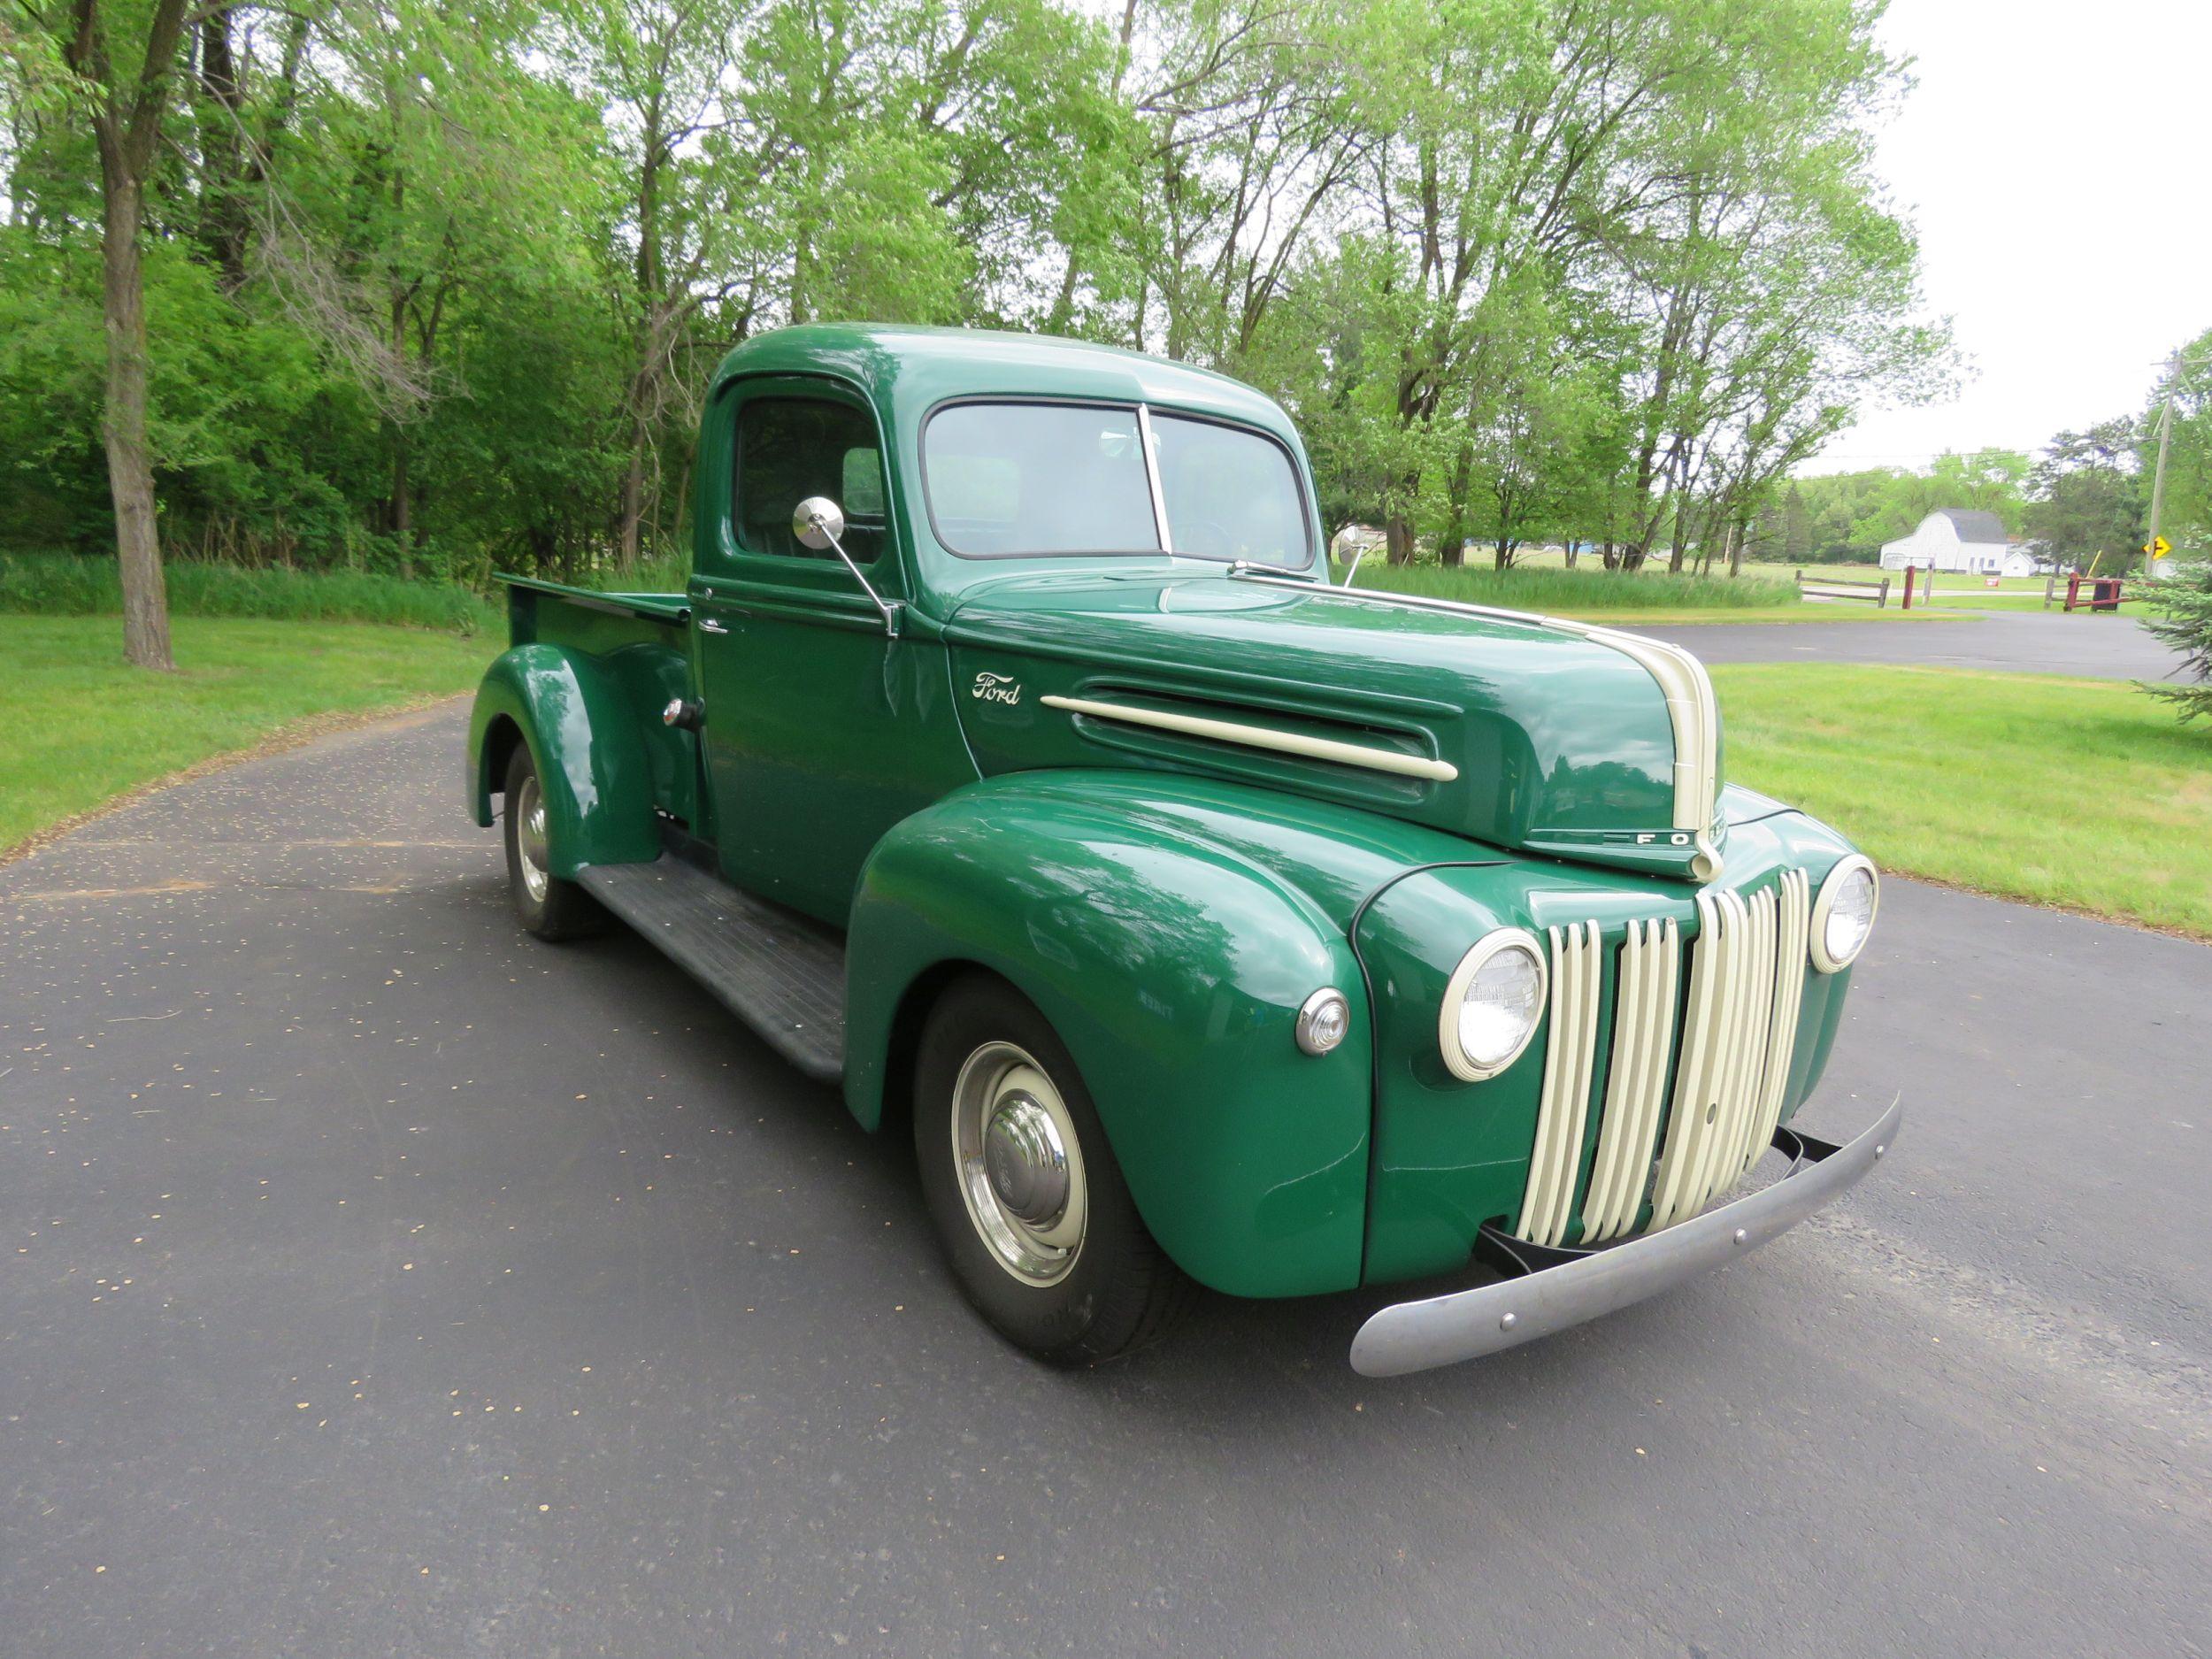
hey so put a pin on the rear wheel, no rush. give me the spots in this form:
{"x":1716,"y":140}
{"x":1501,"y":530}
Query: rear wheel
{"x":547,"y":906}
{"x":1027,"y":1198}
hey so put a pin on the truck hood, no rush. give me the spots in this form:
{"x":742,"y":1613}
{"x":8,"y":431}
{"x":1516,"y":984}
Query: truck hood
{"x":1523,"y":731}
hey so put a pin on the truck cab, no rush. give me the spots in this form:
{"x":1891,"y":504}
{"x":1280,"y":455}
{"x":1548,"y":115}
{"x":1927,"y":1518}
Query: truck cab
{"x":1011,"y":762}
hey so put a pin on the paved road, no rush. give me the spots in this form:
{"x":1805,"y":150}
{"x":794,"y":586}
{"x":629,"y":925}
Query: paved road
{"x":2103,"y":647}
{"x":381,"y":1282}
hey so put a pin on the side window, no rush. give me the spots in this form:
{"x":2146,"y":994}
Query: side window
{"x":791,"y":447}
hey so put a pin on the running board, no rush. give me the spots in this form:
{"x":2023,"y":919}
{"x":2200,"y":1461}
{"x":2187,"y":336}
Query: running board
{"x":781,"y":973}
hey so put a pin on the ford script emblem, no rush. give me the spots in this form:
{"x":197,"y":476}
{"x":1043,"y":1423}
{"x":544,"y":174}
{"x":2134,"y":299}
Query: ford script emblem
{"x":996,"y":689}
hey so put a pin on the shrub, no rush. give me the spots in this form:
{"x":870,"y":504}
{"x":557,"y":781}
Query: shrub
{"x":2184,"y":620}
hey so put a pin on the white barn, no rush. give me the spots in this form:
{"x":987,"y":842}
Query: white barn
{"x":1962,"y":539}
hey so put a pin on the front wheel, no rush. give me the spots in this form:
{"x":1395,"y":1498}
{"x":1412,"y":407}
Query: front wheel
{"x":1027,"y":1198}
{"x":547,"y":906}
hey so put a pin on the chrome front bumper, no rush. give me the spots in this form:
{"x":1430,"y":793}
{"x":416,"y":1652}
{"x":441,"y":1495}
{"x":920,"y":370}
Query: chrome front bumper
{"x":1550,"y":1289}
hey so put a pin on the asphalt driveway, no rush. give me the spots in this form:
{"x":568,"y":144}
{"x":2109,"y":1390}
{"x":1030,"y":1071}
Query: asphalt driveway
{"x":2025,"y":643}
{"x":382,"y":1282}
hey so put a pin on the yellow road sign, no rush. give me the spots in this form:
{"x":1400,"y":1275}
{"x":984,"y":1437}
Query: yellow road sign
{"x":2158,"y":547}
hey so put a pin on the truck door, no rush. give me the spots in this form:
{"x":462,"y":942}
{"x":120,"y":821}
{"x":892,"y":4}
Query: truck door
{"x":821,"y":729}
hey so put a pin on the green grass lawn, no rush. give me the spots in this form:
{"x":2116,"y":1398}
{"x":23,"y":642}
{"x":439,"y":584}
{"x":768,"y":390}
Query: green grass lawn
{"x":78,"y":727}
{"x":2080,"y":793}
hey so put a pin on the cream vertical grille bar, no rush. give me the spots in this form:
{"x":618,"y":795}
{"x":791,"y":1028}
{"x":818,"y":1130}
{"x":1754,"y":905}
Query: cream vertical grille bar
{"x":1792,"y":946}
{"x":1749,"y":1018}
{"x":1643,"y":1042}
{"x":1562,"y":1108}
{"x":1739,"y":1035}
{"x":1713,"y":964}
{"x":1747,"y":987}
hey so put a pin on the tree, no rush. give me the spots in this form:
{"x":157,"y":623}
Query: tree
{"x":2186,"y":521}
{"x":2184,"y":620}
{"x":434,"y":287}
{"x":117,"y":61}
{"x":2087,"y":496}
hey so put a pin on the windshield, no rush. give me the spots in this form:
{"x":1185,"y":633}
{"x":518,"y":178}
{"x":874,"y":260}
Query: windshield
{"x":1008,"y":480}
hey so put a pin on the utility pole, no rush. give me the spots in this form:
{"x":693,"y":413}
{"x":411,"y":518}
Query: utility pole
{"x":2174,"y":367}
{"x":2165,"y":440}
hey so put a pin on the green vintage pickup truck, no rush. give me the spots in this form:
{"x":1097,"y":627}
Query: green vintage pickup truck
{"x":1012,"y":764}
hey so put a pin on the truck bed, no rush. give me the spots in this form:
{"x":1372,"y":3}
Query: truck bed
{"x":523,"y":599}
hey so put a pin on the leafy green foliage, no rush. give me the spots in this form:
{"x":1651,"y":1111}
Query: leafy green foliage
{"x":433,"y":289}
{"x":2089,"y":505}
{"x":1845,"y":517}
{"x":2187,"y":521}
{"x":2183,"y":620}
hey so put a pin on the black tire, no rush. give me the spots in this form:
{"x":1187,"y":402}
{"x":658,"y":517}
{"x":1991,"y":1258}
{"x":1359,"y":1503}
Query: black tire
{"x":562,"y":910}
{"x":1115,"y":1288}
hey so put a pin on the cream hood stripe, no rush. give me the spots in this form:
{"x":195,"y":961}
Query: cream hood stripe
{"x":1262,"y":737}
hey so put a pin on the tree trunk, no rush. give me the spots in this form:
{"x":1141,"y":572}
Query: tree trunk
{"x":123,"y":425}
{"x":626,"y":537}
{"x":1398,"y":539}
{"x":399,"y":512}
{"x":403,"y":502}
{"x":1451,"y":547}
{"x":222,"y":207}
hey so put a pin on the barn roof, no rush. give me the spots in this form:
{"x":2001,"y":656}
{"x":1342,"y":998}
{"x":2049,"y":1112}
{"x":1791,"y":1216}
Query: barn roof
{"x":1973,"y":524}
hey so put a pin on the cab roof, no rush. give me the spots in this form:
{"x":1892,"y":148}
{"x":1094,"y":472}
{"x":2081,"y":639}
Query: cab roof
{"x":906,"y":371}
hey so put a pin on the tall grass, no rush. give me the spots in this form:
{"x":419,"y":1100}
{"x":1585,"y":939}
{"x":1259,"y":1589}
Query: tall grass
{"x":655,"y":573}
{"x":67,"y":585}
{"x":1585,"y":589}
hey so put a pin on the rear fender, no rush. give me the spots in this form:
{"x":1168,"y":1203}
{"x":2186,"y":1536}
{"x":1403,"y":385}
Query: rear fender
{"x":1173,"y":969}
{"x":582,"y":734}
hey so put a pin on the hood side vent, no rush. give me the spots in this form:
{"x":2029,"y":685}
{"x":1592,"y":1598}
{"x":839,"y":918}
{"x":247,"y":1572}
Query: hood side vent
{"x":1372,"y":762}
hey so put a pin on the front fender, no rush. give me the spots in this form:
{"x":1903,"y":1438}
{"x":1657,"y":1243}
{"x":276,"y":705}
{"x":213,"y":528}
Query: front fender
{"x":582,"y":733}
{"x":1173,"y":967}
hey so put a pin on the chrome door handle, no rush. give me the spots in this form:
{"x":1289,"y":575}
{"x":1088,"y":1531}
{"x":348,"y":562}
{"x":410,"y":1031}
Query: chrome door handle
{"x":708,"y":625}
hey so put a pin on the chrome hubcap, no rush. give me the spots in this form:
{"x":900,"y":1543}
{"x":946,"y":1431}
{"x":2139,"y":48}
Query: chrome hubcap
{"x":530,"y":841}
{"x":1020,"y":1164}
{"x":1028,"y":1162}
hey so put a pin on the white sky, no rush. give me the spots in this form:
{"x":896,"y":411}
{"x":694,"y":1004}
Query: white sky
{"x":2059,"y":164}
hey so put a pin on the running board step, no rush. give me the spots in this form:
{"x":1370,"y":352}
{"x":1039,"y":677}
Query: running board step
{"x":781,"y":973}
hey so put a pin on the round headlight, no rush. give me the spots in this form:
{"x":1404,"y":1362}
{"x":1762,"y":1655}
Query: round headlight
{"x":1492,"y":1005}
{"x":1843,"y":915}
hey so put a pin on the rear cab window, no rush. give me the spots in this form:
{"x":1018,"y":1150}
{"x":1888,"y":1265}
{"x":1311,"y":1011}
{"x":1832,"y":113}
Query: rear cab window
{"x":791,"y":447}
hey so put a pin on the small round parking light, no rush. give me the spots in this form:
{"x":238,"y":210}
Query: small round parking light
{"x":1843,"y":915}
{"x":1325,"y":1021}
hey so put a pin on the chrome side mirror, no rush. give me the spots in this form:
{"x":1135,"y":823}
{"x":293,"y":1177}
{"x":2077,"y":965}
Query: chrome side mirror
{"x":818,"y":522}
